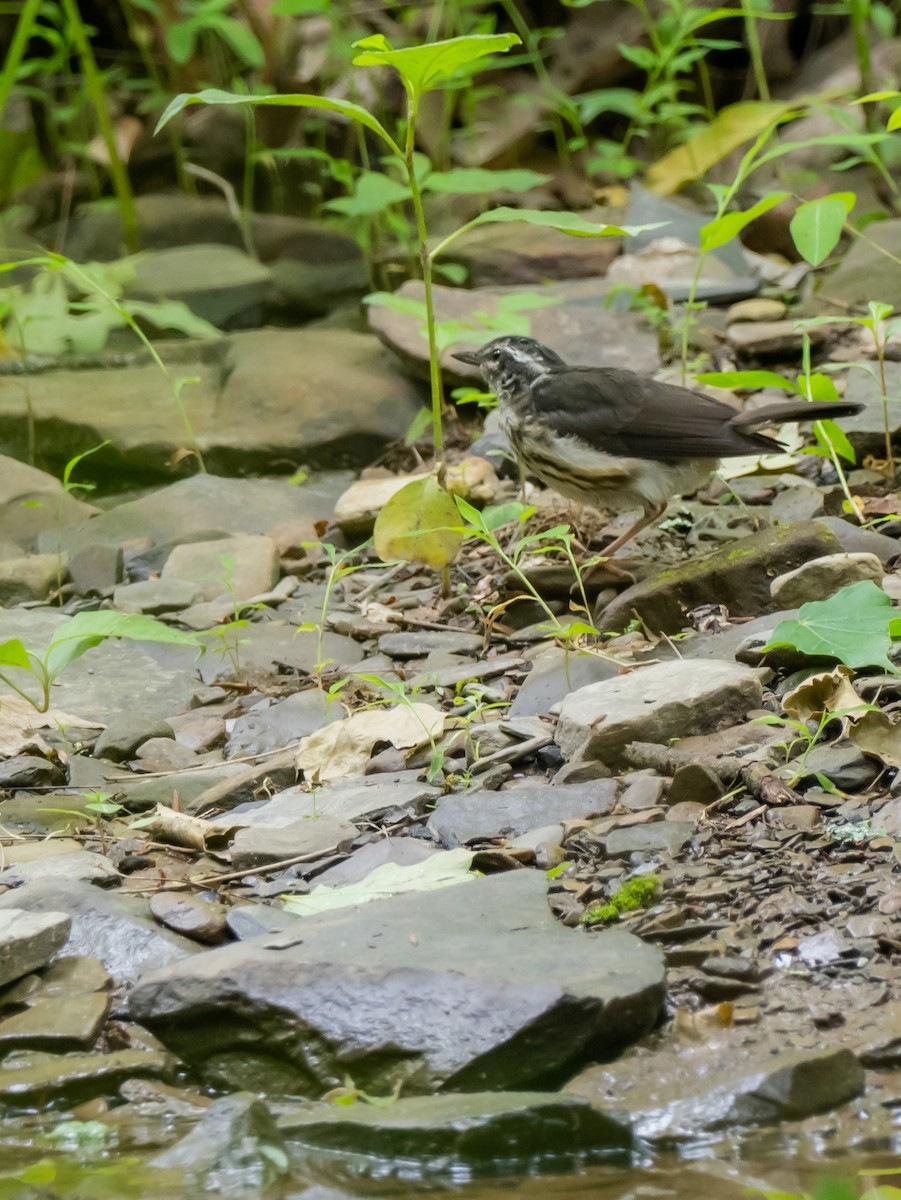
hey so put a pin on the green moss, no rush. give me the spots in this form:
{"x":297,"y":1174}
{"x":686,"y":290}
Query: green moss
{"x":636,"y":893}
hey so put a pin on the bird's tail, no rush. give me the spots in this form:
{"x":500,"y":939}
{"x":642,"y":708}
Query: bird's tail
{"x":796,"y":410}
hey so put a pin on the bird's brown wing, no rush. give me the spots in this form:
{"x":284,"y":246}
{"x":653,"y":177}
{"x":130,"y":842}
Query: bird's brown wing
{"x":627,"y":414}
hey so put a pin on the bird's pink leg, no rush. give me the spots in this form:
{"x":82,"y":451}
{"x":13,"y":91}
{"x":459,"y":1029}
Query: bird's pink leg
{"x":651,"y":513}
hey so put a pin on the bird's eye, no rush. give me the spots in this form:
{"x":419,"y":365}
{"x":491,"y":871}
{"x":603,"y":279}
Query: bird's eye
{"x":496,"y":354}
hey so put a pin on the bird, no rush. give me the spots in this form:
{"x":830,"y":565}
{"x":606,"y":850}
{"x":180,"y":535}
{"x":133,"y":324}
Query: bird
{"x":613,"y":439}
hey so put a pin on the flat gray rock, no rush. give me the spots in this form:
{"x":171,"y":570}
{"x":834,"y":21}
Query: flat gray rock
{"x":513,"y":811}
{"x":259,"y":844}
{"x":104,"y":925}
{"x":346,"y":800}
{"x":283,"y":723}
{"x":431,"y":990}
{"x":655,"y":704}
{"x":31,"y":501}
{"x":28,"y":940}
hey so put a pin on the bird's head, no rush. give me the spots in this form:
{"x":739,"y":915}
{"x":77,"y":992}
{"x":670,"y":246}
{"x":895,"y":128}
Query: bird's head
{"x":509,"y":363}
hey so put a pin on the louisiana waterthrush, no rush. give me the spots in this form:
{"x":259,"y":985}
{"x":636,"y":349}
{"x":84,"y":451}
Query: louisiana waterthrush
{"x":613,"y":439}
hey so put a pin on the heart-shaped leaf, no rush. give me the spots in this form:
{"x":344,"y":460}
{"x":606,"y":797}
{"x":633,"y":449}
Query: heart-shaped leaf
{"x":420,"y":523}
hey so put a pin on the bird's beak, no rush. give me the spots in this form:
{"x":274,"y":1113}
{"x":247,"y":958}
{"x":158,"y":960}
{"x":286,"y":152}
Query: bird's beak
{"x":468,"y":356}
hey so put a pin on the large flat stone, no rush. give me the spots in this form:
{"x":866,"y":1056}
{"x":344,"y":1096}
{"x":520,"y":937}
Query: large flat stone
{"x":654,"y":704}
{"x":32,"y":501}
{"x":28,"y":940}
{"x":514,"y":811}
{"x":467,"y":988}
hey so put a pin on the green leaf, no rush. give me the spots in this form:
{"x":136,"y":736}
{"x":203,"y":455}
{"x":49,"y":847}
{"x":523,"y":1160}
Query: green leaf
{"x":821,"y":387}
{"x":373,"y":193}
{"x":171,"y":314}
{"x":441,"y":869}
{"x":816,"y":228}
{"x":419,"y":524}
{"x":852,"y":626}
{"x":476,"y":181}
{"x":425,"y":67}
{"x":565,"y":222}
{"x":88,"y":629}
{"x":14,"y":654}
{"x":722,"y":230}
{"x":894,"y":121}
{"x":241,"y":40}
{"x":180,"y":40}
{"x":292,"y":100}
{"x":828,"y":432}
{"x":493,"y":516}
{"x":746,"y":380}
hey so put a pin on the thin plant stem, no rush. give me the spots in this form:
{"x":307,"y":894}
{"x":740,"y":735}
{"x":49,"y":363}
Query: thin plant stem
{"x":15,"y":54}
{"x":752,"y":33}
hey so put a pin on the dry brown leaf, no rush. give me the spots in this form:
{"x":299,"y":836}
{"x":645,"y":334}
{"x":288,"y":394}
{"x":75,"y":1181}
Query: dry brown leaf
{"x":825,"y":692}
{"x":20,"y":720}
{"x":876,"y":734}
{"x":178,"y":828}
{"x":343,"y":748}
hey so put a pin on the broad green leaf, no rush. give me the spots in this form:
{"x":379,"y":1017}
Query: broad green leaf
{"x":894,"y":121}
{"x":171,"y":314}
{"x":565,"y":222}
{"x":722,"y":230}
{"x":476,"y":181}
{"x":14,"y":654}
{"x":425,"y":67}
{"x":816,"y":228}
{"x":822,"y":387}
{"x":872,"y":97}
{"x":291,"y":100}
{"x":442,"y":869}
{"x":493,"y":516}
{"x":180,"y":40}
{"x":852,"y":626}
{"x":838,"y":439}
{"x":419,"y":524}
{"x":241,"y":40}
{"x":373,"y":192}
{"x":88,"y":629}
{"x":746,"y":380}
{"x":730,"y":128}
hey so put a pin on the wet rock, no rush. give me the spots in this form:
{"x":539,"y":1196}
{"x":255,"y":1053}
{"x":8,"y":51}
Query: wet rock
{"x":654,"y":704}
{"x":113,"y":928}
{"x":44,"y":1079}
{"x":31,"y":578}
{"x":156,"y":596}
{"x":847,"y":767}
{"x":737,"y":575}
{"x":770,"y":339}
{"x":32,"y":501}
{"x":421,"y":984}
{"x":677,"y":1097}
{"x":282,"y":724}
{"x":125,"y":734}
{"x":823,"y":577}
{"x":234,"y":1149}
{"x":512,"y":812}
{"x":190,"y":915}
{"x":57,"y":1023}
{"x":29,"y":939}
{"x":516,"y":1128}
{"x":574,"y":323}
{"x":239,"y":567}
{"x":31,"y":771}
{"x":220,"y":284}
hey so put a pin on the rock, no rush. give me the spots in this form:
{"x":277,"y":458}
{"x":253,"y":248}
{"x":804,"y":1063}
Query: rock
{"x":357,"y":508}
{"x":865,"y":272}
{"x":113,"y":928}
{"x":155,"y":596}
{"x":67,"y":1079}
{"x":260,"y":844}
{"x":28,"y":940}
{"x":756,"y":309}
{"x":854,"y":540}
{"x":403,"y":851}
{"x":263,"y":395}
{"x":642,"y":791}
{"x":771,"y":339}
{"x":32,"y":501}
{"x":416,"y":643}
{"x":434,"y":1003}
{"x":823,"y":577}
{"x":31,"y":771}
{"x":555,"y":673}
{"x":674,"y":1097}
{"x":504,"y":255}
{"x":226,"y":783}
{"x":219,"y":284}
{"x":77,"y":865}
{"x":463,"y":1132}
{"x":239,"y":567}
{"x":738,"y":575}
{"x":123,"y":735}
{"x":283,"y":723}
{"x":671,"y":264}
{"x":190,"y":915}
{"x":31,"y":578}
{"x":575,"y":323}
{"x":57,"y":1023}
{"x":669,"y":836}
{"x":847,"y":767}
{"x":163,"y":754}
{"x":695,"y":783}
{"x":866,"y":430}
{"x":469,"y":816}
{"x":234,"y":1149}
{"x":277,"y":647}
{"x":201,"y":507}
{"x":655,"y":704}
{"x":96,"y":570}
{"x":347,"y":800}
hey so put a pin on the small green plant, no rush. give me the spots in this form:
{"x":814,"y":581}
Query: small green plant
{"x":80,"y":634}
{"x":636,"y":893}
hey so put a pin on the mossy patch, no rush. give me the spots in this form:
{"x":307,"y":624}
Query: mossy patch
{"x":634,"y":894}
